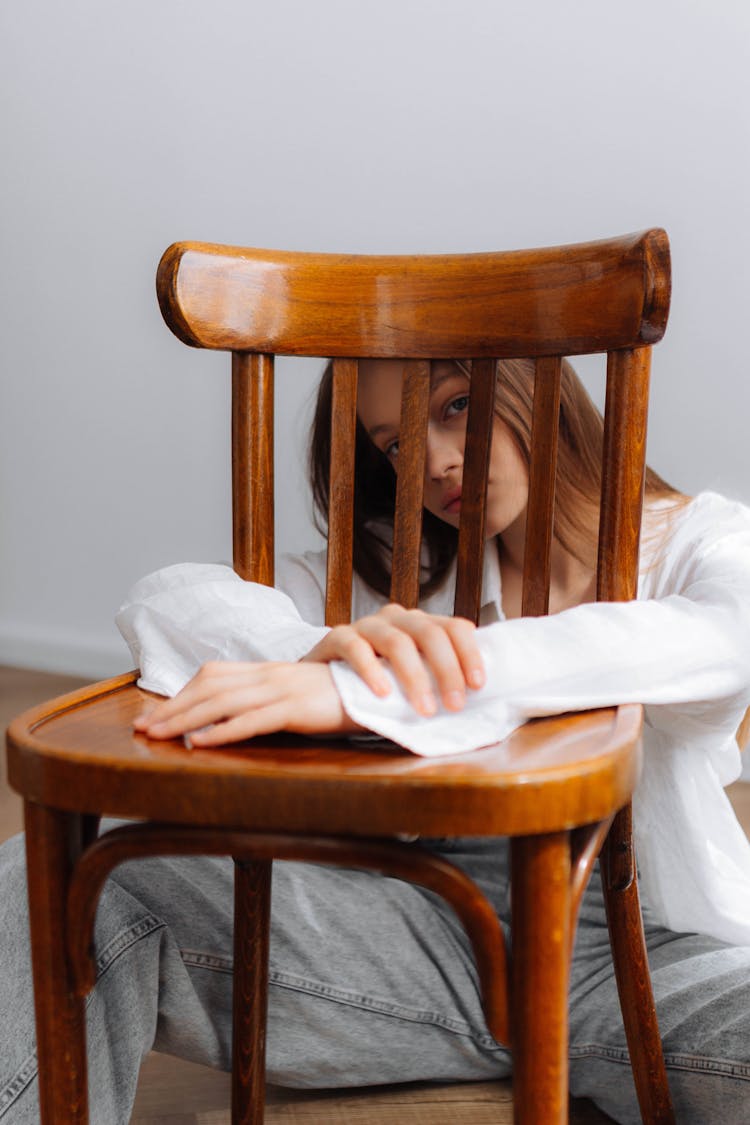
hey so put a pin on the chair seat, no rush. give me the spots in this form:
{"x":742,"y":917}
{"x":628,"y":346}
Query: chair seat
{"x":80,"y":753}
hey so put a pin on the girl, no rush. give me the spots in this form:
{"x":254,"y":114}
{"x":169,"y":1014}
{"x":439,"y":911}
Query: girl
{"x":380,"y":987}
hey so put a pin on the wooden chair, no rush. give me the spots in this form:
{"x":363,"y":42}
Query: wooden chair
{"x":555,"y":786}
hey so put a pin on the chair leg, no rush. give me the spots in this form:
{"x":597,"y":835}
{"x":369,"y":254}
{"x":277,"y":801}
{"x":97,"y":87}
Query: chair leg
{"x":252,"y":921}
{"x":53,"y":841}
{"x":630,"y":958}
{"x":540,"y":890}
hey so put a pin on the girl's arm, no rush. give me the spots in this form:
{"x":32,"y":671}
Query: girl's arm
{"x":227,"y":701}
{"x":226,"y":651}
{"x":685,"y":652}
{"x":184,"y":617}
{"x":429,"y":654}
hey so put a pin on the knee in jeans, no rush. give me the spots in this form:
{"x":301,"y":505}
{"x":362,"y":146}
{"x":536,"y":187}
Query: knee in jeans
{"x":13,"y":894}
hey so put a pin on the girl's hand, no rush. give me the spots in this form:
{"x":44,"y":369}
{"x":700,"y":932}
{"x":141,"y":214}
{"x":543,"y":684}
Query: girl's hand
{"x":228,"y":701}
{"x":415,"y":644}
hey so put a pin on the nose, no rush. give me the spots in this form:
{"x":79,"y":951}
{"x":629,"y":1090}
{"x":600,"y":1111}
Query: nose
{"x":445,"y":454}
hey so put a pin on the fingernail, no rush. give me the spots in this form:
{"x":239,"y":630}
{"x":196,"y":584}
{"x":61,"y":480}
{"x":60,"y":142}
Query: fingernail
{"x":383,"y":687}
{"x":454,"y":700}
{"x":428,"y":704}
{"x":476,"y":678}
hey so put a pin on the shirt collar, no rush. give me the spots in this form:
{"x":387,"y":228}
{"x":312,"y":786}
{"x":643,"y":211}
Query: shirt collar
{"x":491,"y":610}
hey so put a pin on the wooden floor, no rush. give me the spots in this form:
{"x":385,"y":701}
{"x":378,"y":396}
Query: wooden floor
{"x":173,"y":1092}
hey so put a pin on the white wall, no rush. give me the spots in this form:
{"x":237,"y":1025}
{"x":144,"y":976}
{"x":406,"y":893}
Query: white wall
{"x":423,"y":125}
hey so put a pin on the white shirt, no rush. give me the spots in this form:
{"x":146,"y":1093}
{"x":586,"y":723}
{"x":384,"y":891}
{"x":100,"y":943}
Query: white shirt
{"x":682,"y":649}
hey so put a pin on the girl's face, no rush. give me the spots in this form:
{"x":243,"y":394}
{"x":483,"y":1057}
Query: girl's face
{"x":379,"y":409}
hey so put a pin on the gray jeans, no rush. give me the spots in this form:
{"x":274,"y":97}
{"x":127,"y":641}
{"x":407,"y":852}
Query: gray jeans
{"x":372,"y":982}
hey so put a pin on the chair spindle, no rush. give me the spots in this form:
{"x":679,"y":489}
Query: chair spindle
{"x":623,"y":480}
{"x":471,"y":533}
{"x":252,"y":919}
{"x":623,"y":484}
{"x":407,"y":526}
{"x":252,"y":467}
{"x":542,"y":471}
{"x":341,"y":492}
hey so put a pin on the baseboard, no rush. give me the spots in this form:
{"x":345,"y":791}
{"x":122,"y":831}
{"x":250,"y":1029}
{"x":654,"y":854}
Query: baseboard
{"x":51,"y":650}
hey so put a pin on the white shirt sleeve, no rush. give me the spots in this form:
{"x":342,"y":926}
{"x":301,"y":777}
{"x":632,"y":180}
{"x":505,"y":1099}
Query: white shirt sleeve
{"x":182,"y":616}
{"x":686,"y":654}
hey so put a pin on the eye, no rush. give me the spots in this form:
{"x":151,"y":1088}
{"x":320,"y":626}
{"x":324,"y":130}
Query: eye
{"x":391,"y":450}
{"x":457,"y":406}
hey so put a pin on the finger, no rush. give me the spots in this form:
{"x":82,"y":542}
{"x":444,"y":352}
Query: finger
{"x":438,"y":653}
{"x":208,"y":681}
{"x":326,"y":648}
{"x":461,"y":633}
{"x":231,"y":699}
{"x":144,"y":718}
{"x":436,"y":648}
{"x":295,"y":698}
{"x":407,"y":665}
{"x":350,"y":644}
{"x":463,"y":636}
{"x":262,"y":720}
{"x":166,"y":712}
{"x":359,"y":654}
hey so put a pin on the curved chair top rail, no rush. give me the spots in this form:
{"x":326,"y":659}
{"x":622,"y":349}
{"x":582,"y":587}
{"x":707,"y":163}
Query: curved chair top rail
{"x":566,"y":300}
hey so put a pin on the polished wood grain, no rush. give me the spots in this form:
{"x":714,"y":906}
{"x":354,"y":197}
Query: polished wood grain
{"x":550,"y":774}
{"x":566,"y":300}
{"x":472,"y":523}
{"x":623,"y":473}
{"x":20,"y":689}
{"x":412,"y":449}
{"x":52,"y":846}
{"x":542,"y":923}
{"x":540,"y":515}
{"x":341,"y":493}
{"x":630,"y":958}
{"x":252,"y":467}
{"x":585,"y":846}
{"x":252,"y":933}
{"x":623,"y":481}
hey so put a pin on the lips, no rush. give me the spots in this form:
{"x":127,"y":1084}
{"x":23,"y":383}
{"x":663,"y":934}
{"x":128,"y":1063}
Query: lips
{"x":452,"y":501}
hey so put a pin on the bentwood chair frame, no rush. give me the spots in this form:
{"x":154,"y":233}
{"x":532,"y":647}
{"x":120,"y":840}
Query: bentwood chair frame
{"x":555,"y":786}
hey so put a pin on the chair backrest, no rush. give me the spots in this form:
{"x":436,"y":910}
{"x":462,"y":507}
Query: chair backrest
{"x":607,"y":297}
